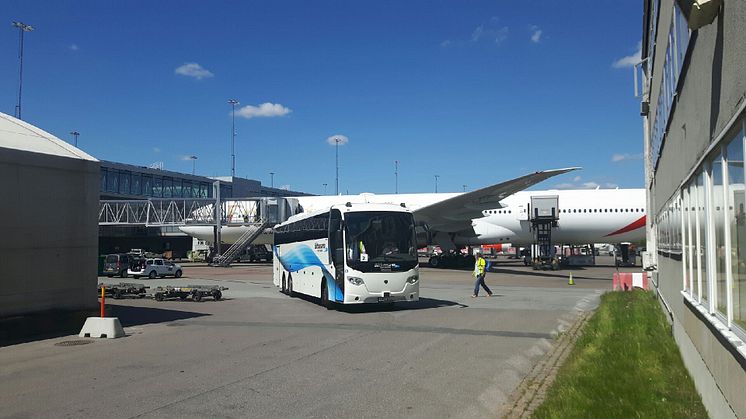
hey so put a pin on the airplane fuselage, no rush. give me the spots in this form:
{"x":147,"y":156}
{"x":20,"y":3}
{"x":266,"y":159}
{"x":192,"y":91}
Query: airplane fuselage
{"x":586,"y":216}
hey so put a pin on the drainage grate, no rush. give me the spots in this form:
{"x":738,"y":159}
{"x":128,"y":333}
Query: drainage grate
{"x":73,"y":342}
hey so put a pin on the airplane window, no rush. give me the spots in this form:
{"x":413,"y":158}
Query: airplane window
{"x":510,"y":212}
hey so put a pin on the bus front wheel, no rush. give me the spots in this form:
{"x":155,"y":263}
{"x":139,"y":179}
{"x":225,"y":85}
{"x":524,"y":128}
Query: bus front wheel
{"x":325,"y":296}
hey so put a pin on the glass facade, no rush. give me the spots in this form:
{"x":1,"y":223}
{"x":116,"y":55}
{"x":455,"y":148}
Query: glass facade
{"x":130,"y":183}
{"x":704,"y":226}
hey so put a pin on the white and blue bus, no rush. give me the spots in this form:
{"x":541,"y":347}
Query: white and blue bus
{"x":348,"y":254}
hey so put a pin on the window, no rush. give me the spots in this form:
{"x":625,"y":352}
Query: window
{"x":112,"y":182}
{"x":678,"y":42}
{"x":158,"y":187}
{"x":124,"y":182}
{"x":692,"y":238}
{"x":103,"y":180}
{"x":737,"y":223}
{"x":701,"y":249}
{"x":147,"y":185}
{"x":718,"y":212}
{"x":168,"y":187}
{"x":135,"y":185}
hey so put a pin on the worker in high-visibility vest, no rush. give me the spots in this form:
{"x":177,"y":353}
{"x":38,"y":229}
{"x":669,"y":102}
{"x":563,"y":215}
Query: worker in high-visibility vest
{"x":480,"y":267}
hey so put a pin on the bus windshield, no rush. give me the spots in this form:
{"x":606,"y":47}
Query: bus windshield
{"x":380,"y":241}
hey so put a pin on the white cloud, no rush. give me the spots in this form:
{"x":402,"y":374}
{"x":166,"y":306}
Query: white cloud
{"x":589,"y":185}
{"x":342,"y":139}
{"x":629,"y":60}
{"x":265,"y":110}
{"x":490,"y":32}
{"x":576,"y":179}
{"x":535,"y":34}
{"x":74,"y":47}
{"x":193,"y":70}
{"x":626,"y":156}
{"x":584,"y":185}
{"x":156,"y":150}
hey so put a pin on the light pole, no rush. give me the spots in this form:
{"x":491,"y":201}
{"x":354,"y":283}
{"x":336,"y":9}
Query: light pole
{"x":22,"y":27}
{"x":271,"y":179}
{"x":396,"y":174}
{"x":233,"y":103}
{"x":194,"y":163}
{"x":324,"y":188}
{"x":337,"y":140}
{"x":75,"y":137}
{"x":436,"y":183}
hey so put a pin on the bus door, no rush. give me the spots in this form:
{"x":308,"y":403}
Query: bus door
{"x":336,"y":250}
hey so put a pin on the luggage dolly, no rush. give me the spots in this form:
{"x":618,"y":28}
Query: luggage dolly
{"x":118,"y":291}
{"x":197,"y":292}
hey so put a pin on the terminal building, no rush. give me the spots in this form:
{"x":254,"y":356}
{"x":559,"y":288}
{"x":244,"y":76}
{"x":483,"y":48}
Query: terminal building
{"x":119,"y":181}
{"x":693,"y":100}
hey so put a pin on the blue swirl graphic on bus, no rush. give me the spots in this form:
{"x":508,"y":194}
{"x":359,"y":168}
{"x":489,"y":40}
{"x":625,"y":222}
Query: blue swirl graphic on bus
{"x":301,"y":257}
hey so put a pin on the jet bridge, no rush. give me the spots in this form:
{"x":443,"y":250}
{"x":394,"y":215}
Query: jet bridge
{"x":544,"y":216}
{"x":259,"y":214}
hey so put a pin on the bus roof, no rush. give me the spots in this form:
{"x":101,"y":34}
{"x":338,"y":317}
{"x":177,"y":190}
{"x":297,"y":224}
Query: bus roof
{"x":348,"y":207}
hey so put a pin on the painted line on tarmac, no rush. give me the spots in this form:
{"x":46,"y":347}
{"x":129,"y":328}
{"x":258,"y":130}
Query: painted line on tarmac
{"x":372,"y":327}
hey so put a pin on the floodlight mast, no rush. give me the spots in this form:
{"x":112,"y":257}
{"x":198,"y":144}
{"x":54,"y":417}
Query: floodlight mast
{"x":75,"y":135}
{"x":233,"y":103}
{"x":22,"y":28}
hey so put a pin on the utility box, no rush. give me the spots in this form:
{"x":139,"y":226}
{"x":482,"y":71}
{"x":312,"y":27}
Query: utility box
{"x":545,"y":207}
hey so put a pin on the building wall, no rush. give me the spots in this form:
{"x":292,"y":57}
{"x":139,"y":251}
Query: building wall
{"x":711,"y":88}
{"x":710,"y":92}
{"x":50,"y":234}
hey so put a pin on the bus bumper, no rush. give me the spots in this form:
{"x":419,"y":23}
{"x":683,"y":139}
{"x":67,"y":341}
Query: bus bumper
{"x":410,"y":293}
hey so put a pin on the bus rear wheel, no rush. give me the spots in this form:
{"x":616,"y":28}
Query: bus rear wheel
{"x":290,"y":286}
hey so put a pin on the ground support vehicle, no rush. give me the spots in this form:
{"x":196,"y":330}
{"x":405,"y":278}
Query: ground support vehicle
{"x":123,"y":289}
{"x":153,"y":268}
{"x":117,"y":264}
{"x":197,"y":292}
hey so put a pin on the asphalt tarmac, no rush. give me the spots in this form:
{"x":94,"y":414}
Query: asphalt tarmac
{"x":259,"y":353}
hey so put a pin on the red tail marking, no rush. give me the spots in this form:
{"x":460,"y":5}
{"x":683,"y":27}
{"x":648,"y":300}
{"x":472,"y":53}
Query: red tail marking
{"x":632,"y":226}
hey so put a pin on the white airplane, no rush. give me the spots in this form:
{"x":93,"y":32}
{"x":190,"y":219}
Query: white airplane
{"x":495,"y":214}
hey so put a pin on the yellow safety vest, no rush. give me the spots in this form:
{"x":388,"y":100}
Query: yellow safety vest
{"x":479,"y":267}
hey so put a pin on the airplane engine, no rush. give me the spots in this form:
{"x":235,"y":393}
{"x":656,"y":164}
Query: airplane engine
{"x":486,"y":233}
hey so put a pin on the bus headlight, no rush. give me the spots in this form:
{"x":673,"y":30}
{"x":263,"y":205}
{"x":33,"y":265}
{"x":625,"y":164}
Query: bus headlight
{"x":355,"y":280}
{"x":412,"y":279}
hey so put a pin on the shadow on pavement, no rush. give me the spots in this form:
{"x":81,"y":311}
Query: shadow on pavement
{"x":549,"y":274}
{"x":135,"y":316}
{"x":42,"y":325}
{"x":57,"y":323}
{"x":422,"y":304}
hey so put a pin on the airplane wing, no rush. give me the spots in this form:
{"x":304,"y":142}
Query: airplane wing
{"x":455,"y":214}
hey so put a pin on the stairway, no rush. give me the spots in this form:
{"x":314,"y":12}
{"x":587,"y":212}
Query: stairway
{"x":240,"y":245}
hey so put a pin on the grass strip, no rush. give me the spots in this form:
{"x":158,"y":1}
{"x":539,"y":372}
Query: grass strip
{"x":626,"y":364}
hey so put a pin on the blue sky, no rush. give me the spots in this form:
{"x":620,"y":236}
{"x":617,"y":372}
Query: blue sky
{"x":476,"y":92}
